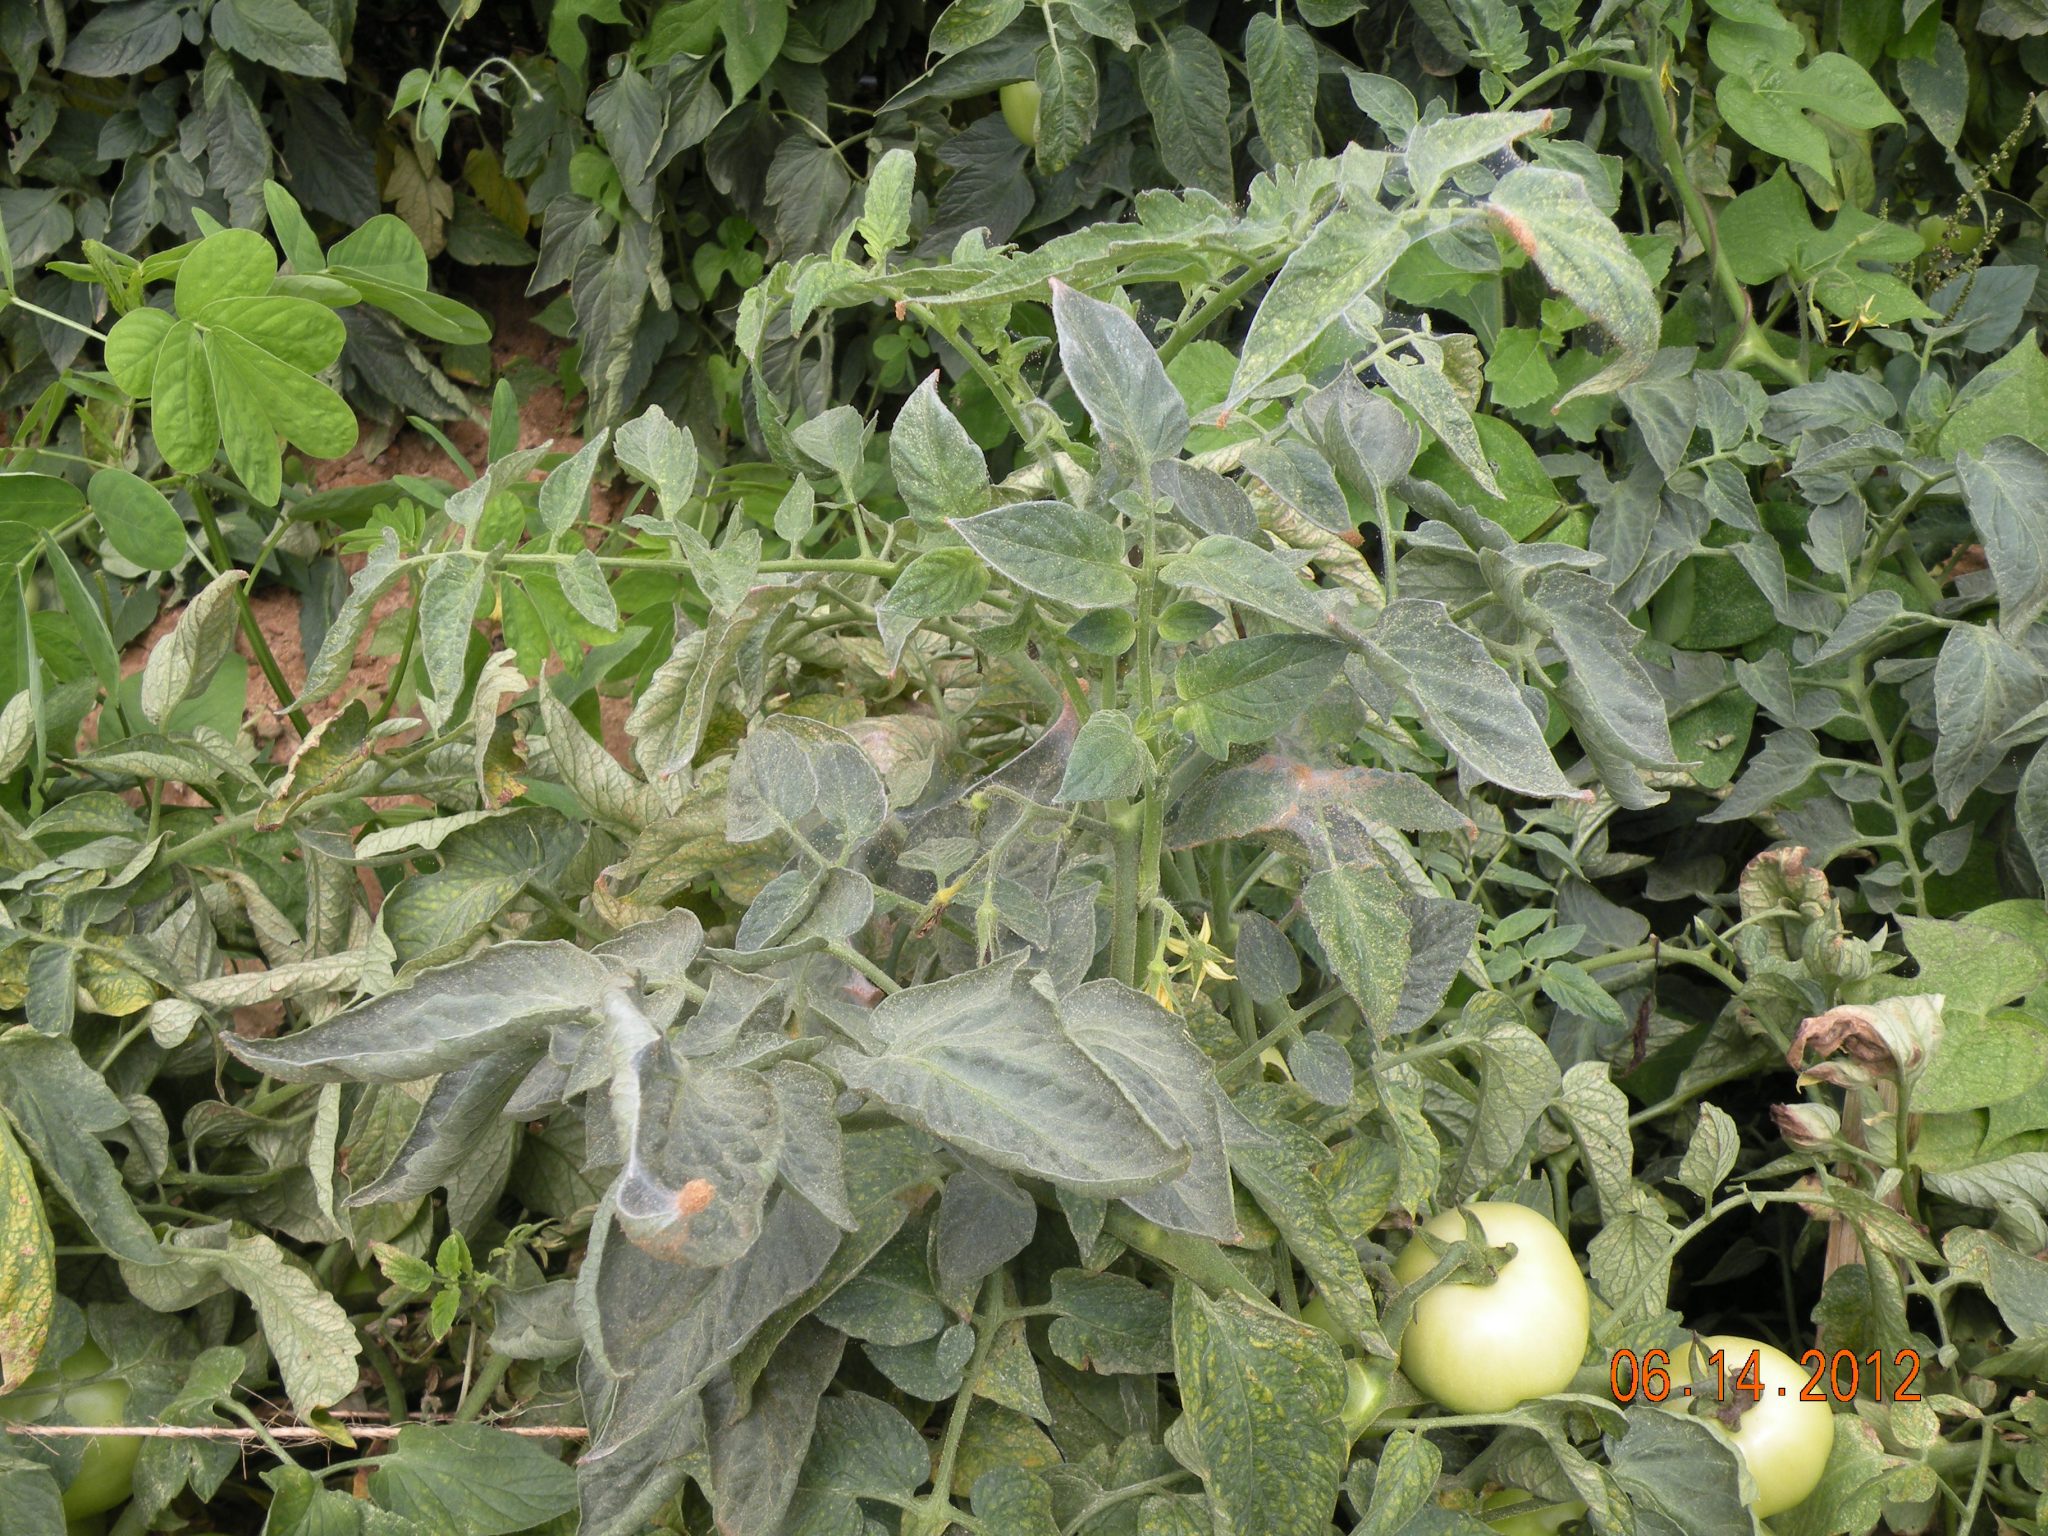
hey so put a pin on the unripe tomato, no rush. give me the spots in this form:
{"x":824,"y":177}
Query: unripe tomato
{"x":1365,"y":1393}
{"x":1547,"y":1521}
{"x":1785,"y":1441}
{"x":83,"y":1395}
{"x":1485,"y":1348}
{"x":1317,"y":1314}
{"x":1020,"y":110}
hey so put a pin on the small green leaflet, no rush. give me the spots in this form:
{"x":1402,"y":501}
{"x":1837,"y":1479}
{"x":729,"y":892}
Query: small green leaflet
{"x":565,"y":494}
{"x":2005,"y":484}
{"x":1518,"y":371}
{"x":937,"y":584}
{"x":661,"y":454}
{"x":885,"y":210}
{"x":1340,"y":263}
{"x":967,"y":22}
{"x":1069,"y":91}
{"x":1766,"y":95}
{"x":938,"y":468}
{"x":1187,"y":89}
{"x":1249,"y":576}
{"x":236,"y":367}
{"x":1248,"y":690}
{"x":183,"y":663}
{"x":1055,"y":550}
{"x":1426,"y":389}
{"x":385,"y":263}
{"x":1358,"y":915}
{"x":1435,"y":149}
{"x":138,"y":521}
{"x":1465,"y":697}
{"x":473,"y":1478}
{"x":1107,"y":761}
{"x":1137,"y":412}
{"x":980,"y":1060}
{"x":1281,"y":63}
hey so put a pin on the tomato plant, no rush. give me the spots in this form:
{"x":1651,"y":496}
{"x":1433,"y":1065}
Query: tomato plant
{"x":1481,"y":1348}
{"x":1076,"y":768}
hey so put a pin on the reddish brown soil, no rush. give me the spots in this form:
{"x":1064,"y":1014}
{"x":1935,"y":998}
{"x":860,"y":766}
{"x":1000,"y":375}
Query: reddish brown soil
{"x":544,"y":416}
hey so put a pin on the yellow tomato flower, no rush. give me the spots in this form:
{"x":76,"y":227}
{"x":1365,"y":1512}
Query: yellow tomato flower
{"x":1202,"y":961}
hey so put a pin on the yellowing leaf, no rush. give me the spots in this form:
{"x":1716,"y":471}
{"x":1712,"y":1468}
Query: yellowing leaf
{"x":422,"y":198}
{"x":28,"y":1264}
{"x":504,"y":197}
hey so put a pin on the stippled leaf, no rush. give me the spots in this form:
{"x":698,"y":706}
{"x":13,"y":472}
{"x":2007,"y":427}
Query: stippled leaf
{"x":1137,"y":412}
{"x":1549,"y":214}
{"x":184,"y":661}
{"x":1358,"y":915}
{"x":28,"y":1264}
{"x":980,"y":1060}
{"x":1262,"y":1395}
{"x":450,"y":1015}
{"x":1055,"y":550}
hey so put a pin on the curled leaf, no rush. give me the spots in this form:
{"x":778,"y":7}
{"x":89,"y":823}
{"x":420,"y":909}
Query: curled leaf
{"x":1860,"y":1043}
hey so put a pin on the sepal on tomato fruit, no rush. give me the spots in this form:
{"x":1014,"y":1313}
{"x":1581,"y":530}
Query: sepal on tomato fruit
{"x":1785,"y":1438}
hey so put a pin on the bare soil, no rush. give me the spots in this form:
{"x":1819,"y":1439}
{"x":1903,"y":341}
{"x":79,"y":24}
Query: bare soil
{"x":544,"y":417}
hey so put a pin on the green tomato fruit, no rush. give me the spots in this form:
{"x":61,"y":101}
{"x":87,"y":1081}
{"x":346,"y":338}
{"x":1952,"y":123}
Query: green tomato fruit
{"x":1547,"y":1521}
{"x":1485,"y":1348}
{"x":1317,"y":1314}
{"x":80,"y":1391}
{"x":1785,"y":1441}
{"x":1365,"y":1393}
{"x":1020,"y":110}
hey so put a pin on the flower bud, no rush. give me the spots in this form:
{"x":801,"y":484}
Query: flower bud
{"x":1806,"y":1127}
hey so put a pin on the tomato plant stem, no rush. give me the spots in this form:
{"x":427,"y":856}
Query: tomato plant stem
{"x":1127,"y":829}
{"x":1202,"y":1262}
{"x":988,"y":1321}
{"x":487,"y":1379}
{"x":251,"y":631}
{"x":1215,"y":307}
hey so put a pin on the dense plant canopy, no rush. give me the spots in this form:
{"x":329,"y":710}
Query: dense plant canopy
{"x":1193,"y":700}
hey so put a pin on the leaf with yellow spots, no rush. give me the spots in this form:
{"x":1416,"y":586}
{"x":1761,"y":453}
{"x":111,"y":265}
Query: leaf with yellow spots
{"x":13,"y":975}
{"x":1263,"y":1396}
{"x":113,"y":988}
{"x":28,"y":1264}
